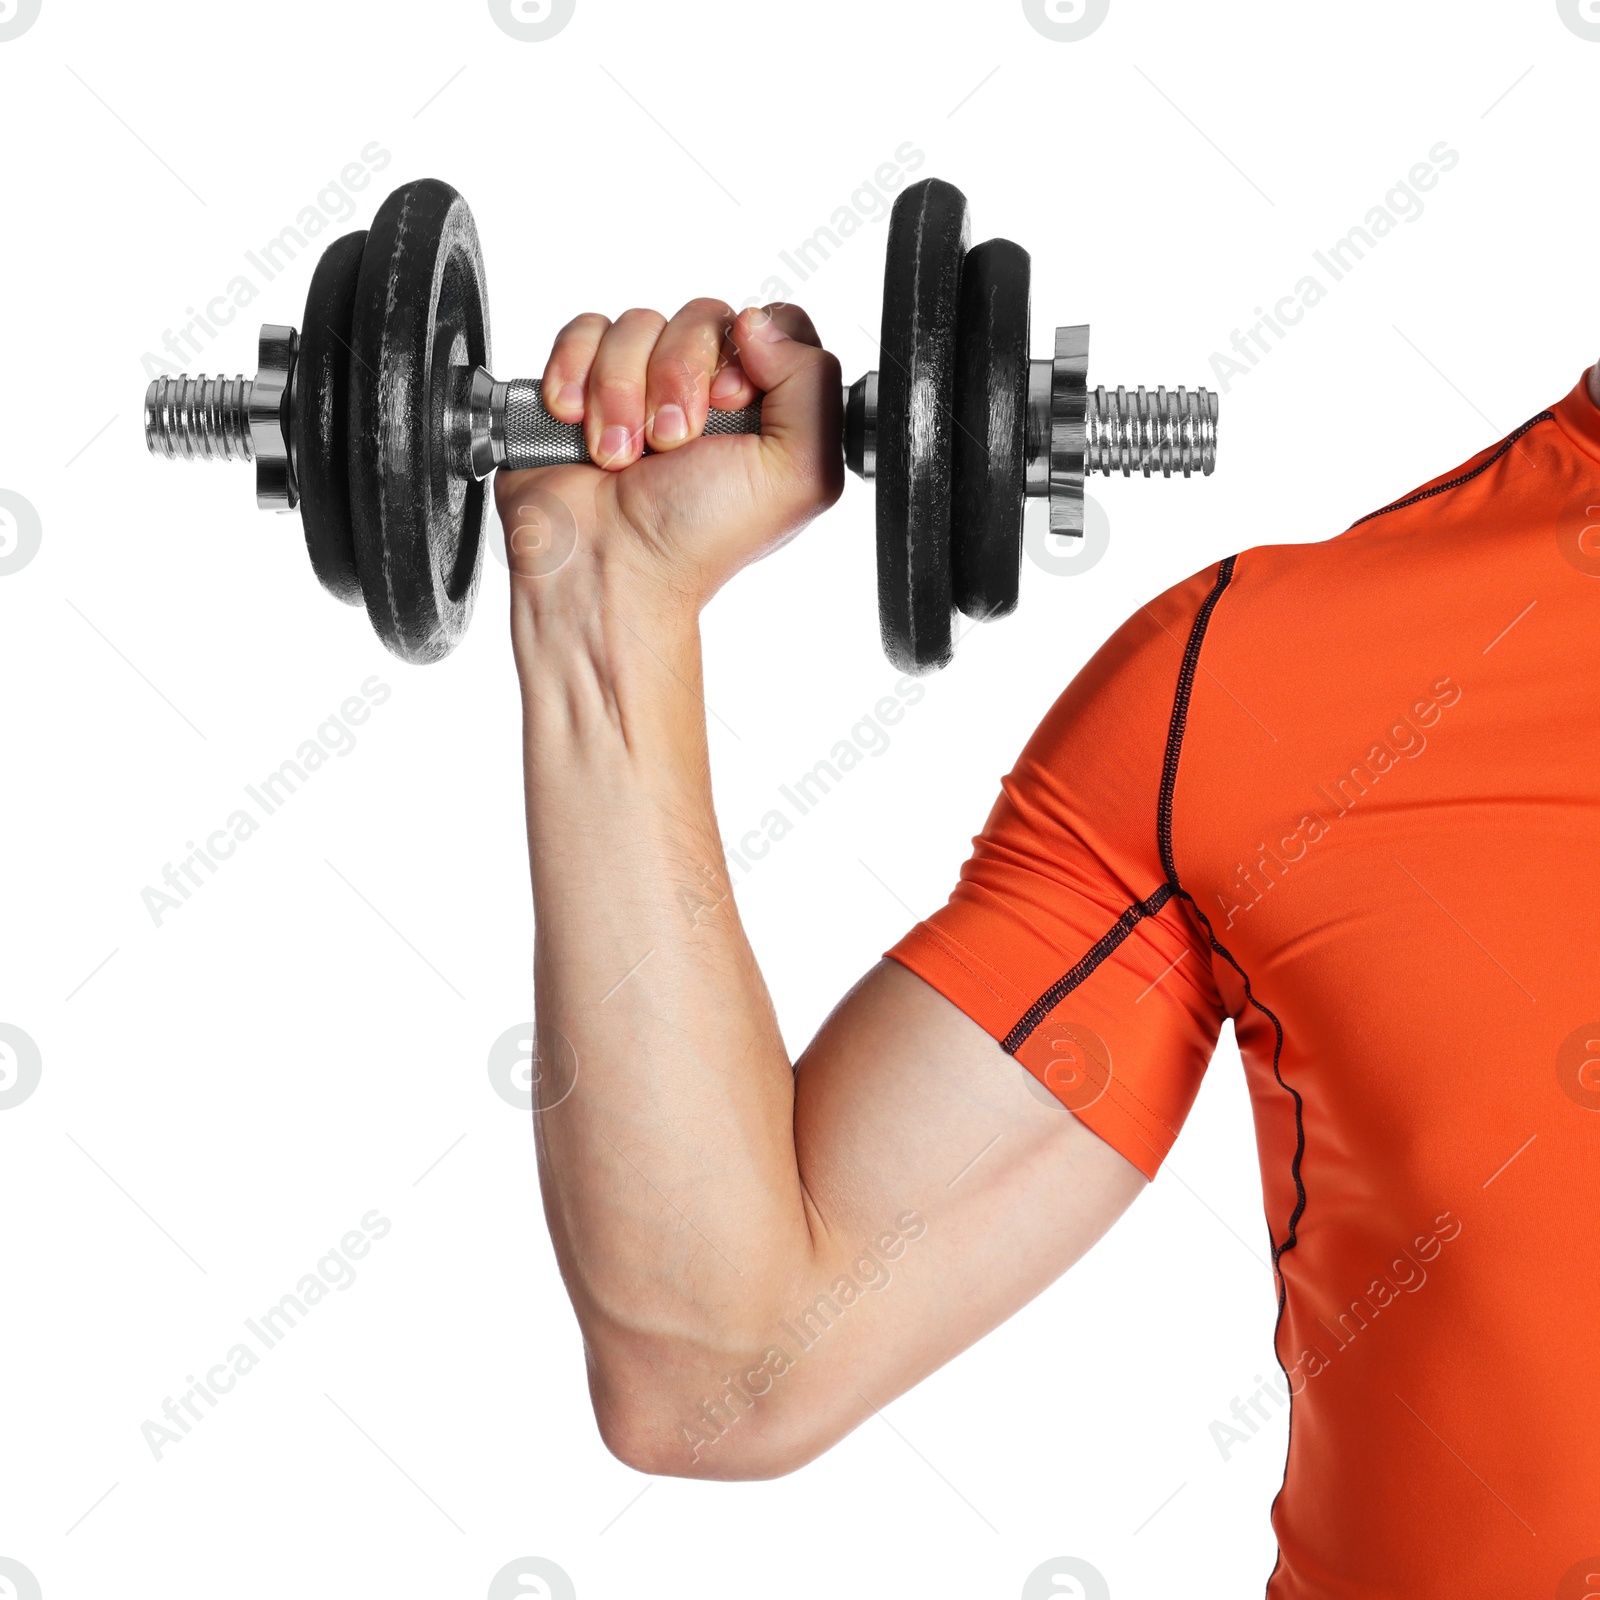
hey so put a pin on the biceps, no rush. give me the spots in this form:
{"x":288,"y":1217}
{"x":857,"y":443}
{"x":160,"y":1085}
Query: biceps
{"x":947,"y":1187}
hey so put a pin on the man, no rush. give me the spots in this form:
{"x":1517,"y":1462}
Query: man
{"x":1345,"y":794}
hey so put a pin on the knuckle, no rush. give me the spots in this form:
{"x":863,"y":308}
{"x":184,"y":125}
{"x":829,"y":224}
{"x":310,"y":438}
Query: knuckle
{"x":638,"y":318}
{"x":587,"y":326}
{"x":707,"y":308}
{"x":674,"y":376}
{"x":619,"y":394}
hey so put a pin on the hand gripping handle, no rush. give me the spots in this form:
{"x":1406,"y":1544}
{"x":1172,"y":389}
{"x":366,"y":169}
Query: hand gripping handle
{"x":536,"y":439}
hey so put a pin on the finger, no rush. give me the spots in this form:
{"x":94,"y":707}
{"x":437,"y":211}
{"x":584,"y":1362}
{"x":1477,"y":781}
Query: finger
{"x":794,"y":321}
{"x":678,"y":383}
{"x":779,"y":350}
{"x":614,"y":409}
{"x":566,"y":373}
{"x":800,"y":413}
{"x":731,"y":388}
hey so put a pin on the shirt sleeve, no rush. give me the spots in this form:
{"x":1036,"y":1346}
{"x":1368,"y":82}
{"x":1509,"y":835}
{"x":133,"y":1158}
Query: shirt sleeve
{"x":1064,"y":939}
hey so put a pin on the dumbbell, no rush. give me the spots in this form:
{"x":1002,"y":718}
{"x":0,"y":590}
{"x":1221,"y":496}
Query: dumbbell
{"x":380,"y":420}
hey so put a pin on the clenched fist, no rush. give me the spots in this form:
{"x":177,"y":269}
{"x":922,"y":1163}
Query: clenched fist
{"x":675,"y":524}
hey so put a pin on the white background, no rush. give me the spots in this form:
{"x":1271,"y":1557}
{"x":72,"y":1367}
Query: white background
{"x":306,"y":1039}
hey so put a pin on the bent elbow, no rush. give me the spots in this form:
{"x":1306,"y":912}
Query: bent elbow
{"x":704,"y":1440}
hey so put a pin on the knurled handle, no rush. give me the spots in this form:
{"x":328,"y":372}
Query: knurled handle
{"x":536,"y":439}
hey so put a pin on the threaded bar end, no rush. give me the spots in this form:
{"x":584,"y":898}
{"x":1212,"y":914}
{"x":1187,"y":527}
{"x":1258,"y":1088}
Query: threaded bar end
{"x":1165,"y":431}
{"x":199,"y":419}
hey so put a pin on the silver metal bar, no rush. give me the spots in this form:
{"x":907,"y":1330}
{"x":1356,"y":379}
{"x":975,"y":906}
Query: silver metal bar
{"x":1070,"y":432}
{"x":526,"y":435}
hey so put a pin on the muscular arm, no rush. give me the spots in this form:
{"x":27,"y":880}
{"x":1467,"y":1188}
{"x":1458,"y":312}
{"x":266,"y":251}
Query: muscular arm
{"x":759,"y":1252}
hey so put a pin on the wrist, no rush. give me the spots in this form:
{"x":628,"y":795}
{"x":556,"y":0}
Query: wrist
{"x":607,"y":640}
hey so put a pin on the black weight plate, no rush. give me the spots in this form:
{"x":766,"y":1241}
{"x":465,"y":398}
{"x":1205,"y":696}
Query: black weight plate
{"x":322,"y":418}
{"x":928,"y":236}
{"x":421,"y":308}
{"x":988,"y":471}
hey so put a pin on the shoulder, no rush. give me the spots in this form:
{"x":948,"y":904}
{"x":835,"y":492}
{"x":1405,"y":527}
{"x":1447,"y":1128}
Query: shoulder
{"x":1429,"y":533}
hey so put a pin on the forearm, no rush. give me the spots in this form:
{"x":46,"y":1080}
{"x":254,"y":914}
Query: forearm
{"x":669,"y":1170}
{"x":759,"y":1257}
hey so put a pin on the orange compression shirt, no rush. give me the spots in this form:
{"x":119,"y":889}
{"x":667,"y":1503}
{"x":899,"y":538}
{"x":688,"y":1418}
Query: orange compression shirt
{"x":1347,"y":794}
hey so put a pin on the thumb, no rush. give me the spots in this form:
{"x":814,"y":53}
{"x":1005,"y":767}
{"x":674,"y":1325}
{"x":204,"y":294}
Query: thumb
{"x":802,"y":408}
